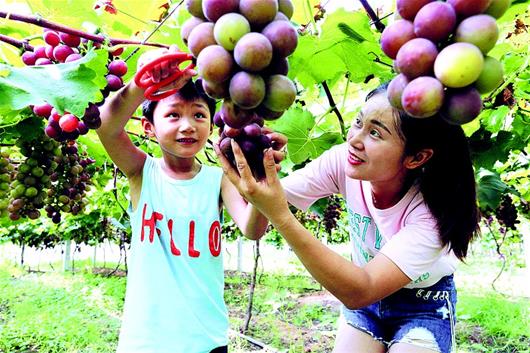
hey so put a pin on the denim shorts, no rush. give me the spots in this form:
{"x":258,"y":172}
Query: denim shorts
{"x":423,"y":317}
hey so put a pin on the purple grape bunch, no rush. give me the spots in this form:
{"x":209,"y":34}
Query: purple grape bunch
{"x":241,"y":48}
{"x":61,"y":48}
{"x":440,"y":52}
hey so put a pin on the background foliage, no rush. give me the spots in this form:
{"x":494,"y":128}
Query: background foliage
{"x":338,"y":60}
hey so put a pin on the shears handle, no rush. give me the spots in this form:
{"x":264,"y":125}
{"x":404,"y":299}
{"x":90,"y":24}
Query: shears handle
{"x":143,"y":80}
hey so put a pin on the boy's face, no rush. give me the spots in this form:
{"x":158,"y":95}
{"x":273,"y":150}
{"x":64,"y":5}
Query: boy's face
{"x":181,"y":127}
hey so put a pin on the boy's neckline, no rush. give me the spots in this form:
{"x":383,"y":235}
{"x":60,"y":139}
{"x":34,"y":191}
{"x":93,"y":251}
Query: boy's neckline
{"x":183,"y":178}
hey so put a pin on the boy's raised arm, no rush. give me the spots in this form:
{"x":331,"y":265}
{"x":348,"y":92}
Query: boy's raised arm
{"x":119,"y":108}
{"x":115,"y":113}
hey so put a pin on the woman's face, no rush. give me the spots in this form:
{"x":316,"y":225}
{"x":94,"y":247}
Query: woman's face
{"x":375,"y":146}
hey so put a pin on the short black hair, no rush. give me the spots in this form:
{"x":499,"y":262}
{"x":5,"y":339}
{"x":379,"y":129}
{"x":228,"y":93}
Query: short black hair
{"x":191,"y":91}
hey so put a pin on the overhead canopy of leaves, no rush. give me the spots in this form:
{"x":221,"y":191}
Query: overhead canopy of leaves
{"x":345,"y":44}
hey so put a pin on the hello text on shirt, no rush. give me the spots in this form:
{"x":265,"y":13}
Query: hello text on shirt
{"x":214,"y":234}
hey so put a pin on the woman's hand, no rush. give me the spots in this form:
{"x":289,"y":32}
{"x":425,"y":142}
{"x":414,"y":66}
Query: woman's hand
{"x":266,"y":195}
{"x":279,"y":144}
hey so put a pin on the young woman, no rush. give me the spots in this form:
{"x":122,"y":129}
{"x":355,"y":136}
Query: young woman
{"x":410,"y":193}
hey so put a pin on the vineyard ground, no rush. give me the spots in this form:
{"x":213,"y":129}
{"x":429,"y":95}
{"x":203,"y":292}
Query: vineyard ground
{"x":291,"y":311}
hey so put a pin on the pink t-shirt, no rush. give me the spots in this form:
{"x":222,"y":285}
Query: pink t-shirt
{"x":406,"y":233}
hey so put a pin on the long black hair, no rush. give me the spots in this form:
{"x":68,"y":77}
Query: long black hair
{"x":447,"y":179}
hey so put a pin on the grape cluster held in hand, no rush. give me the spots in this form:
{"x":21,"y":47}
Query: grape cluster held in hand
{"x":241,"y":48}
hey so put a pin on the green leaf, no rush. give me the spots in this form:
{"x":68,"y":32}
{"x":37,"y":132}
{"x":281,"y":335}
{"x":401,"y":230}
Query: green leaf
{"x":512,"y":62}
{"x":298,"y":125}
{"x":123,"y":28}
{"x":499,"y":149}
{"x":31,"y":128}
{"x":310,"y":65}
{"x":346,"y":44}
{"x":94,"y":148}
{"x":521,"y":126}
{"x":490,"y":188}
{"x":68,"y":87}
{"x":494,"y":120}
{"x":471,"y":127}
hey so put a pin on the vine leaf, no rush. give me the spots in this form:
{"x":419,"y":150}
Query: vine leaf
{"x":298,"y":125}
{"x":499,"y":149}
{"x":350,"y":32}
{"x":346,"y":44}
{"x":490,"y":188}
{"x":68,"y":87}
{"x":91,"y":142}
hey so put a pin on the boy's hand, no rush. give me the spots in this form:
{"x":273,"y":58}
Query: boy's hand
{"x":165,"y":69}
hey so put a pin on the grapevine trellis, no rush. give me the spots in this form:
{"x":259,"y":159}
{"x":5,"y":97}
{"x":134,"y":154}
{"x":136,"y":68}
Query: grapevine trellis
{"x":329,"y":82}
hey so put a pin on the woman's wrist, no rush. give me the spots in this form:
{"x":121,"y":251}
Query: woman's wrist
{"x":282,"y":220}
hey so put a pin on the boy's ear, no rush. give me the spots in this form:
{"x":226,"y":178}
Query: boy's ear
{"x":419,"y":159}
{"x":148,"y":127}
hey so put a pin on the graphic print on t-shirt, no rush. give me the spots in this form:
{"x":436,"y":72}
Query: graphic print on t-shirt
{"x":150,"y":222}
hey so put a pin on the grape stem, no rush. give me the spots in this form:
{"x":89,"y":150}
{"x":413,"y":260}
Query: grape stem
{"x":154,"y":30}
{"x":371,"y":13}
{"x":115,"y":189}
{"x":379,"y":61}
{"x":22,"y":44}
{"x":39,"y":21}
{"x":380,"y":27}
{"x":500,"y":253}
{"x":334,"y":108}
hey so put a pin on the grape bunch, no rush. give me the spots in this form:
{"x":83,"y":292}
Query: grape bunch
{"x":241,"y":48}
{"x":63,"y":48}
{"x":6,"y":175}
{"x":331,"y":213}
{"x":71,"y":181}
{"x":440,"y":53}
{"x":506,"y":213}
{"x":33,"y":177}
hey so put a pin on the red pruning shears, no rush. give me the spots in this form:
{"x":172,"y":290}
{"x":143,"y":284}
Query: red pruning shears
{"x":151,"y":89}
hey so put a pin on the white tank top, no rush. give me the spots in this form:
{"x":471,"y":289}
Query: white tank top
{"x":174,"y":298}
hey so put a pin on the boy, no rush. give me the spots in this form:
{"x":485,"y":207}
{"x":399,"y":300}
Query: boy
{"x":174,"y":298}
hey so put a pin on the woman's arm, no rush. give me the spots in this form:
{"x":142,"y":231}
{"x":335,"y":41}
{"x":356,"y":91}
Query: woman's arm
{"x":249,"y":220}
{"x":352,"y":285}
